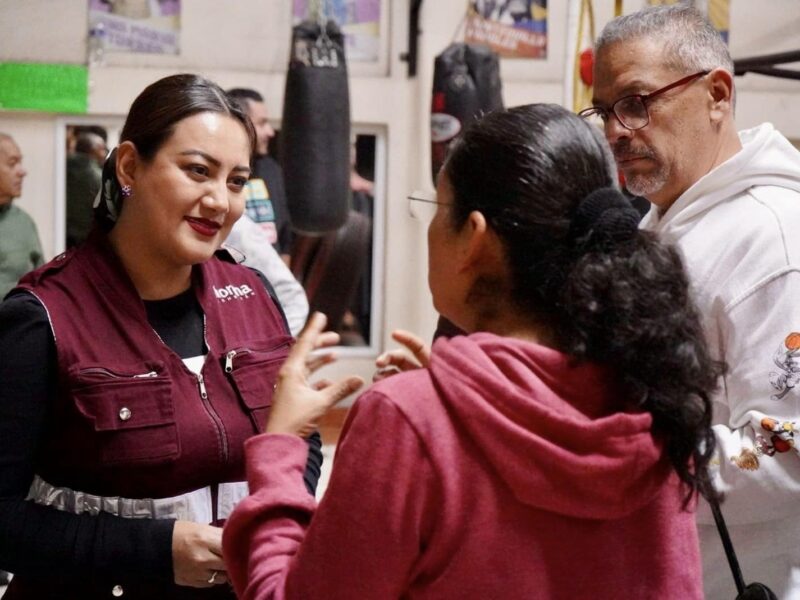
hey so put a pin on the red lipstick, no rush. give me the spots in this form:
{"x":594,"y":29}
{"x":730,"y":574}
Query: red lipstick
{"x":205,"y":227}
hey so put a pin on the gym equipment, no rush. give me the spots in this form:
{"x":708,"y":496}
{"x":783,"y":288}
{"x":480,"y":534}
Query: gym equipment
{"x":315,"y":133}
{"x":466,"y":84}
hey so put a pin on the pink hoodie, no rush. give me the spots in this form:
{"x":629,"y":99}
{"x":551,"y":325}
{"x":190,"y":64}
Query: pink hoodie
{"x":502,"y":471}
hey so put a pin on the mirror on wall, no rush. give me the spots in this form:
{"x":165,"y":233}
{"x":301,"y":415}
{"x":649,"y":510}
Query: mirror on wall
{"x":340,"y":271}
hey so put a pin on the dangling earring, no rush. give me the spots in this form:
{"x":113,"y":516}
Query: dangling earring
{"x":126,"y":190}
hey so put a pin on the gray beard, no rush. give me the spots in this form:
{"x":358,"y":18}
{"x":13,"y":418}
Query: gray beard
{"x":646,"y":185}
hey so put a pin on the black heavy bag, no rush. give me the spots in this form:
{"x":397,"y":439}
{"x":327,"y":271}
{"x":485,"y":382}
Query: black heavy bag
{"x":315,"y":132}
{"x":466,"y":84}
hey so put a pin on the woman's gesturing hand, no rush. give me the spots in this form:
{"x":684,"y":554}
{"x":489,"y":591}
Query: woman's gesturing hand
{"x":397,"y":361}
{"x":297,"y":404}
{"x":197,"y":555}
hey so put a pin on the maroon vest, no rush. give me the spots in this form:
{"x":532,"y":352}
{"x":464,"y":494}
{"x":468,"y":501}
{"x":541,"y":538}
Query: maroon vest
{"x":129,"y":418}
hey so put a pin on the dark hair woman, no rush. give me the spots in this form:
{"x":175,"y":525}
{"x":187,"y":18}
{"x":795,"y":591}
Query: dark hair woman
{"x":552,"y":453}
{"x":135,"y":366}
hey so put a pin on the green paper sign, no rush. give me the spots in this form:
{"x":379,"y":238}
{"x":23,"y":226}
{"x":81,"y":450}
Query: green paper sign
{"x":43,"y":87}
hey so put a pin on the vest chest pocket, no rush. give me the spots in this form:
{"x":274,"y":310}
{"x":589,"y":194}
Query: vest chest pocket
{"x":132,"y":414}
{"x":254,"y":373}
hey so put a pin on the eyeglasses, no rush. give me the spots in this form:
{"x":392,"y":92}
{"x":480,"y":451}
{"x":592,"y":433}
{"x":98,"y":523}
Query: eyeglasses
{"x":422,"y":205}
{"x":631,"y":111}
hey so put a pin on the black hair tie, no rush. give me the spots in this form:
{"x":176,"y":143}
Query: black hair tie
{"x":603,"y":219}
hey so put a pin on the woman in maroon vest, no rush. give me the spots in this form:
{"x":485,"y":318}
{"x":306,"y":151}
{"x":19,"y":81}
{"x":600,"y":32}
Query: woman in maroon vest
{"x":134,"y":367}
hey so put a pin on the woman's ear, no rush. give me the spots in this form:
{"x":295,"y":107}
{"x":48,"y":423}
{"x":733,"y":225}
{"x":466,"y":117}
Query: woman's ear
{"x":127,"y":161}
{"x":479,"y":242}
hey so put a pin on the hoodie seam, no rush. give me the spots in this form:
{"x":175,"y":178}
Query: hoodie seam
{"x":733,"y":304}
{"x":752,"y":192}
{"x":769,"y":278}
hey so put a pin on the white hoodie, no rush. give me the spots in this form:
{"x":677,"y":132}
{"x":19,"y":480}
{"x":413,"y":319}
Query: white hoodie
{"x":738,"y":228}
{"x":248,"y":238}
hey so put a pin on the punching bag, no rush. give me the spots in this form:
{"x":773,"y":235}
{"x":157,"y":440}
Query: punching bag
{"x":315,"y":132}
{"x":466,"y":84}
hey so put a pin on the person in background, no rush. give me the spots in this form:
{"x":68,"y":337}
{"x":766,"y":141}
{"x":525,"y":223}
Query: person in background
{"x":265,"y":192}
{"x":252,"y":241}
{"x":664,"y":92}
{"x":135,"y":365}
{"x":20,"y":248}
{"x":554,"y":452}
{"x":84,"y":167}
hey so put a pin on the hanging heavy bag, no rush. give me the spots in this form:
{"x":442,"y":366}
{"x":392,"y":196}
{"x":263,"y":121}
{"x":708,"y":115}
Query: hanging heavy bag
{"x":466,"y":84}
{"x":315,"y":133}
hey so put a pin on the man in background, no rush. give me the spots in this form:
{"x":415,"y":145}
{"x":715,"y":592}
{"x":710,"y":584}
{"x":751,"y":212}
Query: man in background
{"x":730,"y":202}
{"x":84,"y":171}
{"x":265,"y":193}
{"x":20,"y":249}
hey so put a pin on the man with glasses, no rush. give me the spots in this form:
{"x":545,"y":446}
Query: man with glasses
{"x":664,"y":94}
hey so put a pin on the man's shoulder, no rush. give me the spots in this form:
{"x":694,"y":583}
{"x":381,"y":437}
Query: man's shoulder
{"x":739,"y":244}
{"x":14,"y":216}
{"x":761,"y":211}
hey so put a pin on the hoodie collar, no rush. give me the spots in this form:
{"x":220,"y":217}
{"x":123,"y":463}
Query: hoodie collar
{"x":766,"y":158}
{"x":554,"y":431}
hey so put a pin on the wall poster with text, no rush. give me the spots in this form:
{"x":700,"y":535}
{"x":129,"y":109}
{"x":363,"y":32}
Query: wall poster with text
{"x":360,"y":21}
{"x":512,"y":28}
{"x":149,"y":26}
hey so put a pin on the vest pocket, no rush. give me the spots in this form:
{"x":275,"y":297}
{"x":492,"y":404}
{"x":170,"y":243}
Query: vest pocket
{"x":254,"y":373}
{"x":132,"y":414}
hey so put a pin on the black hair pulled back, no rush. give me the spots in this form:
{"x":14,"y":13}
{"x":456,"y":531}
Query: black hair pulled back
{"x":163,"y":104}
{"x":604,"y":291}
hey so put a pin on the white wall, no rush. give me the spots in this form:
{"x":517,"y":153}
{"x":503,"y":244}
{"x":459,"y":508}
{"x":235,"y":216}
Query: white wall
{"x":245,"y":43}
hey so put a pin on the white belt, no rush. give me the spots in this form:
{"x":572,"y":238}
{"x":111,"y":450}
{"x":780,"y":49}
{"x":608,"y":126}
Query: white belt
{"x":195,"y":506}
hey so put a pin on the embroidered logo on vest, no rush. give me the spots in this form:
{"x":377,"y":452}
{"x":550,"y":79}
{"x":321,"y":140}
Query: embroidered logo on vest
{"x":233,"y":292}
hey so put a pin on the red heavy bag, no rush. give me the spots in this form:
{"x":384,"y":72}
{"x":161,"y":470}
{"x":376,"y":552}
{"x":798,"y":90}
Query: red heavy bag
{"x":315,"y":131}
{"x":466,"y":84}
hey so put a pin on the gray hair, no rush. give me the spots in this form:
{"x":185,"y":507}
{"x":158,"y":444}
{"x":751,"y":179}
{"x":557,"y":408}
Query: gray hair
{"x":690,"y":42}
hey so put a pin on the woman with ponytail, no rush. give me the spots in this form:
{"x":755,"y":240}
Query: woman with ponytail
{"x":556,"y":451}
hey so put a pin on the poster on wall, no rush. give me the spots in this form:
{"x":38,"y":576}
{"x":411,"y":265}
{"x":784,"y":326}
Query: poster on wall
{"x":512,"y":28}
{"x":149,"y":26}
{"x":360,"y":21}
{"x":719,"y":13}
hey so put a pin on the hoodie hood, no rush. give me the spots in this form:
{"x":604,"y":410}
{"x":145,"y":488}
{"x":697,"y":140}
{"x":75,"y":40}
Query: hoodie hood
{"x":766,"y":158}
{"x":549,"y":428}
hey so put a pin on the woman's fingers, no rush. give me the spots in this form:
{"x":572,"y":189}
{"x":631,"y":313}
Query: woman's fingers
{"x":327,"y":339}
{"x":399,"y":359}
{"x":341,"y":390}
{"x":297,"y":404}
{"x":417,"y":346}
{"x":197,"y":554}
{"x":384,"y":373}
{"x":317,"y":361}
{"x":307,"y":340}
{"x":396,"y":361}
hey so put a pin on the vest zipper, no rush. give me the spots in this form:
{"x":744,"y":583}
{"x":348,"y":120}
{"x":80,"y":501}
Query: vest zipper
{"x":201,"y":384}
{"x":234,"y":353}
{"x":110,"y":373}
